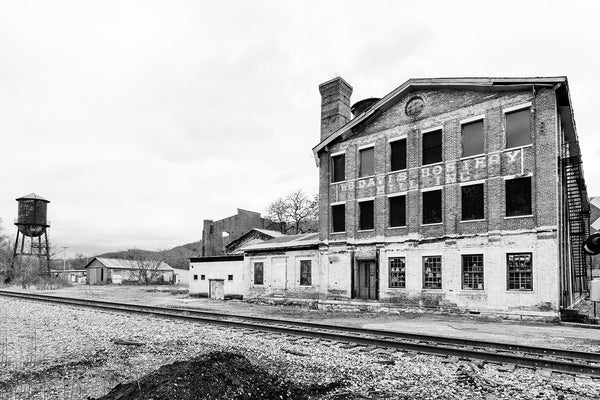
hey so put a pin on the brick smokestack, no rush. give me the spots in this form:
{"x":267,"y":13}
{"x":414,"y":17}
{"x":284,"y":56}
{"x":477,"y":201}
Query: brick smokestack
{"x":335,"y":105}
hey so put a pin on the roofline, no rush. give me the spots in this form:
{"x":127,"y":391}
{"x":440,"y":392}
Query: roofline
{"x":275,"y":248}
{"x":232,"y":257}
{"x":383,"y":104}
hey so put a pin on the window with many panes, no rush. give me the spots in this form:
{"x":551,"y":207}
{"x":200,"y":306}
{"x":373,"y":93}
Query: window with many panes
{"x":258,"y":273}
{"x":366,"y":216}
{"x":519,"y":271}
{"x":472,"y":271}
{"x":397,"y":272}
{"x":305,"y":273}
{"x":398,"y":155}
{"x":472,"y":138}
{"x":432,"y":272}
{"x":432,"y":207}
{"x":397,"y":211}
{"x":367,"y":162}
{"x":432,"y":147}
{"x":518,"y":128}
{"x":338,"y":166}
{"x":338,"y":218}
{"x":471,"y":197}
{"x":518,"y":196}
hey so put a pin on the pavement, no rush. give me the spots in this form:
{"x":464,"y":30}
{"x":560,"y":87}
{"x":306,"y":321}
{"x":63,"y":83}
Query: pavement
{"x":454,"y":325}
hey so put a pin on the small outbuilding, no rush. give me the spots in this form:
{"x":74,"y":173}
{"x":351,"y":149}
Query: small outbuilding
{"x":217,"y":277}
{"x":113,"y":270}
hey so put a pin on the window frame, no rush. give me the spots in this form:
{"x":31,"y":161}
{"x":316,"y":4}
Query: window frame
{"x":462,"y":203}
{"x":513,"y":110}
{"x":506,"y":197}
{"x":441,"y":145}
{"x":361,"y":151}
{"x":195,"y":277}
{"x":471,"y":121}
{"x":390,"y":197}
{"x":438,"y":263}
{"x":229,"y":277}
{"x":332,"y":205}
{"x":303,"y":274}
{"x":202,"y":277}
{"x":402,"y":161}
{"x":334,"y":170}
{"x":530,"y":272}
{"x":472,"y":273}
{"x":360,"y":214}
{"x":401,"y":274}
{"x":430,"y":190}
{"x":260,"y":264}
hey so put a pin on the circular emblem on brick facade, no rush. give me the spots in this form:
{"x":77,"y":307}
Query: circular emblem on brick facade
{"x":414,"y":106}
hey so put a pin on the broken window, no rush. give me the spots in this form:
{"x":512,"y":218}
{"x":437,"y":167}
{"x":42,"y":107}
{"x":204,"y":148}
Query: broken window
{"x":366,"y":215}
{"x":229,"y":277}
{"x":397,"y":211}
{"x":367,"y":162}
{"x":338,"y":218}
{"x":398,"y":155}
{"x":432,"y":147}
{"x":472,"y":271}
{"x":338,"y":165}
{"x":195,"y":277}
{"x":472,"y":202}
{"x":397,"y":272}
{"x":518,"y":196}
{"x":258,"y":273}
{"x":519,"y":274}
{"x":305,"y":272}
{"x":472,"y":138}
{"x":432,"y":207}
{"x":518,"y":129}
{"x":432,"y":272}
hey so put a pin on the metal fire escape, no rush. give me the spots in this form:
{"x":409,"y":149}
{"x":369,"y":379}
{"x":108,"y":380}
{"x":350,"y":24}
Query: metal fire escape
{"x":578,"y":218}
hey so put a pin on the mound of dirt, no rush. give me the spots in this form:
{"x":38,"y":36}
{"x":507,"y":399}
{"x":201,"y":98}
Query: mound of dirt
{"x":214,"y":376}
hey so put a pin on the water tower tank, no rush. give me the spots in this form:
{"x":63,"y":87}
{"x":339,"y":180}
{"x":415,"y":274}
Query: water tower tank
{"x":32,"y":220}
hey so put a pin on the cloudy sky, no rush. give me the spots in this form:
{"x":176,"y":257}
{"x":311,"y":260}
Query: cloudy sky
{"x":139,"y":119}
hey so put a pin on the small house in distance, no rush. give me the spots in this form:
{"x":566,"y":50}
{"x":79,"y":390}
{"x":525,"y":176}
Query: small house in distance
{"x":113,"y":270}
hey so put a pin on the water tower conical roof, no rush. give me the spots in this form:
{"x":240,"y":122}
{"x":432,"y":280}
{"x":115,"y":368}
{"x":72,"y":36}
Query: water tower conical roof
{"x":32,"y":196}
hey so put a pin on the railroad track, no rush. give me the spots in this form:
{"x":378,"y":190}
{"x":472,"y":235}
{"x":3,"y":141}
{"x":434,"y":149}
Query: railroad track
{"x":558,"y":360}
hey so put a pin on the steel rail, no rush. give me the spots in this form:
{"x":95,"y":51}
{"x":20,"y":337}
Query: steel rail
{"x":331,"y":332}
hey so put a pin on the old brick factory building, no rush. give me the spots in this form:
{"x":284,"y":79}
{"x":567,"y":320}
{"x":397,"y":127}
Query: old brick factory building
{"x":460,"y":193}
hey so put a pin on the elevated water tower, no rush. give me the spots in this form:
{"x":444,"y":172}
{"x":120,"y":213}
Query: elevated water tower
{"x":32,"y":228}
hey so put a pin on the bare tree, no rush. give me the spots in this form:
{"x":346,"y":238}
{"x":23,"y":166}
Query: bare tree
{"x":146,"y":265}
{"x":298,"y":210}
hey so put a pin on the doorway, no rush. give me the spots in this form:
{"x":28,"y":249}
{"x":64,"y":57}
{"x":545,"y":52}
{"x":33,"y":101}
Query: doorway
{"x":217,"y":289}
{"x":365,"y":280}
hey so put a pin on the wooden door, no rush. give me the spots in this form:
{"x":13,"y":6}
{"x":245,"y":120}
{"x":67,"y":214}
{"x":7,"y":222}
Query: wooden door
{"x":365,"y":280}
{"x":217,"y":289}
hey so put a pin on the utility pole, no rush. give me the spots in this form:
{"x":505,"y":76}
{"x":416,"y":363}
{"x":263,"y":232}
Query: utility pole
{"x":65,"y":257}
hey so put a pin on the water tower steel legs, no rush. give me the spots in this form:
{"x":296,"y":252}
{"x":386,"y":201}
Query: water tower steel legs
{"x":43,"y":248}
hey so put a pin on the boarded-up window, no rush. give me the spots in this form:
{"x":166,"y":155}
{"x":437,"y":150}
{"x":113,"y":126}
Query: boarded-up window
{"x":518,"y":196}
{"x":432,"y":147}
{"x":519,"y":274}
{"x":366,"y":217}
{"x":397,"y":211}
{"x":367,"y":162}
{"x":397,"y":272}
{"x":472,"y":138}
{"x":338,"y":218}
{"x":432,"y":207}
{"x":472,"y":202}
{"x":472,"y":271}
{"x":398,"y":155}
{"x":432,"y":272}
{"x":258,"y":273}
{"x":518,"y":129}
{"x":338,"y":165}
{"x":305,"y":273}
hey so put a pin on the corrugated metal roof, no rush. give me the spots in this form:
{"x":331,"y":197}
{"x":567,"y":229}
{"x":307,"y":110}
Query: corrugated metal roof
{"x":33,"y":196}
{"x":128,"y":264}
{"x":285,"y":241}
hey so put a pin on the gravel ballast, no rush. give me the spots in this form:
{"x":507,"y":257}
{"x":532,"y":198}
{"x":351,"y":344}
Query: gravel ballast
{"x":63,"y":352}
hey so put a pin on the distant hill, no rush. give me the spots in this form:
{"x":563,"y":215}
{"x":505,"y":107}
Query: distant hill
{"x":177,"y":257}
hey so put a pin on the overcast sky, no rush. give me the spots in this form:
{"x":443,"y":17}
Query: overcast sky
{"x":139,"y":119}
